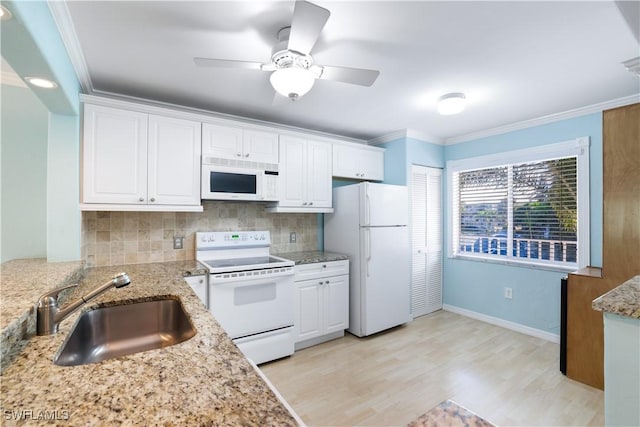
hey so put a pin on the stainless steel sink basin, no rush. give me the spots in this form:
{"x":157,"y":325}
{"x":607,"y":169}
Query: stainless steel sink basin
{"x":109,"y":332}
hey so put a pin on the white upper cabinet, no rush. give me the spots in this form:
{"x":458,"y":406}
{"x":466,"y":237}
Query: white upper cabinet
{"x":231,"y":142}
{"x":114,"y":156}
{"x":358,"y":162}
{"x":305,"y":174}
{"x":138,"y":161}
{"x":173,"y":161}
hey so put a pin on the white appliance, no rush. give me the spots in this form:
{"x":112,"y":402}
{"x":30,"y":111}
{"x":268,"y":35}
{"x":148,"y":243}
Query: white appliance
{"x":250,"y":292}
{"x":369,"y":224}
{"x":224,"y":179}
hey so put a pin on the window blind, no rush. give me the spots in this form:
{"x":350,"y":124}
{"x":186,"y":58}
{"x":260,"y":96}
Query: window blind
{"x":526,"y":211}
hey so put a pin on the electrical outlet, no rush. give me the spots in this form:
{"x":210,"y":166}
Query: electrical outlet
{"x":178,"y":242}
{"x":508,"y":293}
{"x":292,"y":237}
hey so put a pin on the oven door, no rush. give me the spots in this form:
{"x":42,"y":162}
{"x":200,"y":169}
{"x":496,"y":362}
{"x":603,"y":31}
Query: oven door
{"x":231,"y":183}
{"x":247,"y":306}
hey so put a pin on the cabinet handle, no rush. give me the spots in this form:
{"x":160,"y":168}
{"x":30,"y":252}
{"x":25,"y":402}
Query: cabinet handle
{"x":310,"y":203}
{"x":304,"y":203}
{"x":246,"y":155}
{"x":153,"y":199}
{"x":326,"y":283}
{"x":320,"y":282}
{"x":324,"y":265}
{"x":141,"y":199}
{"x":239,"y":154}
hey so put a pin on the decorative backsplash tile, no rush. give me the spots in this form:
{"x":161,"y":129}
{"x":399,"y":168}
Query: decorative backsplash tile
{"x":113,"y":238}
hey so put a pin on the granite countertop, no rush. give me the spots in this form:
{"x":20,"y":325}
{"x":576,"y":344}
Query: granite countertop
{"x":623,"y":300}
{"x":23,"y":281}
{"x":310,"y":257}
{"x":203,"y":381}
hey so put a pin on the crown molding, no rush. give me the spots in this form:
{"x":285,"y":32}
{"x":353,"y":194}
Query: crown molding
{"x":416,"y":134}
{"x":393,"y":136}
{"x":67,"y":31}
{"x":405,"y":133}
{"x":577,"y":112}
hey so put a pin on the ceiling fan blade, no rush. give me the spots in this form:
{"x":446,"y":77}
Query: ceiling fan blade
{"x":356,"y":76}
{"x":308,"y":21}
{"x":227,"y":63}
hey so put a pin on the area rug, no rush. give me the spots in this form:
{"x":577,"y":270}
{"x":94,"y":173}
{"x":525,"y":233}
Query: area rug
{"x":449,"y":413}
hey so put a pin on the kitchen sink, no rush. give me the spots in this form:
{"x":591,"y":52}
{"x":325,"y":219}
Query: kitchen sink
{"x":108,"y":332}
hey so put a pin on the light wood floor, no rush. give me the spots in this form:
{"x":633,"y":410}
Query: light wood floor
{"x":394,"y":377}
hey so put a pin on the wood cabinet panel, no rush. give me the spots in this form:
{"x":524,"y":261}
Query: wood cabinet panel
{"x":621,"y":245}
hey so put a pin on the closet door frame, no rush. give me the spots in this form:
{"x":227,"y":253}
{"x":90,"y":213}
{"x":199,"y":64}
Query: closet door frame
{"x":426,"y":239}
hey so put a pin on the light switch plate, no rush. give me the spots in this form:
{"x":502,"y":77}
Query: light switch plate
{"x":178,"y":242}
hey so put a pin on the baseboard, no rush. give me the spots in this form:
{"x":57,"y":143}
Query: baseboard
{"x":318,"y":340}
{"x":527,"y":330}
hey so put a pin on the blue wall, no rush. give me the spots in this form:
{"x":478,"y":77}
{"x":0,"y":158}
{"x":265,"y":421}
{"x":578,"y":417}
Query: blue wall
{"x":400,"y":154}
{"x":479,"y":286}
{"x":32,"y":46}
{"x":23,"y":186}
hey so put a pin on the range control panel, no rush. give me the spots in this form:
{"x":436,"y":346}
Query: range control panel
{"x":230,"y":239}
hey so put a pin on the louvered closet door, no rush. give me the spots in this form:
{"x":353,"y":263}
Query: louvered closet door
{"x":426,"y":240}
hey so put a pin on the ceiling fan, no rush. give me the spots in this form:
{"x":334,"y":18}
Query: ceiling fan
{"x":293,"y":71}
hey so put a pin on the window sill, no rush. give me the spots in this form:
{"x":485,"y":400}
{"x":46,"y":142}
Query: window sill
{"x":515,"y":263}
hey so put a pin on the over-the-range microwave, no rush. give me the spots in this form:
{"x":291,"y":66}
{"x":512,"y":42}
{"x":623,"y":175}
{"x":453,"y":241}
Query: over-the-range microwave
{"x":238,"y":180}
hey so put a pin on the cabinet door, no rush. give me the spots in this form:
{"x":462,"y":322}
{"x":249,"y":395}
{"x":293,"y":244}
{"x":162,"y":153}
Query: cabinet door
{"x":174,"y":161}
{"x":371,"y":165}
{"x":308,"y":309}
{"x":319,"y":191}
{"x":222,"y":141}
{"x":336,"y":297}
{"x":345,"y":161}
{"x":260,"y":146}
{"x":114,"y":156}
{"x":292,"y":174}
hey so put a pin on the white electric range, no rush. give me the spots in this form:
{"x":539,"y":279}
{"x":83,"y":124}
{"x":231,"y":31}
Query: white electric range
{"x":250,"y":291}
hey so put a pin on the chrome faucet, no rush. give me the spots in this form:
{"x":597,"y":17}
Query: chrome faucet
{"x":49,"y":315}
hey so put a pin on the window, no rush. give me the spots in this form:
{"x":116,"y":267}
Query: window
{"x":526,"y":207}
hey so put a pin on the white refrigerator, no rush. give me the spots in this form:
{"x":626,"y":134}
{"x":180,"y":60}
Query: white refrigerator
{"x":370,"y":224}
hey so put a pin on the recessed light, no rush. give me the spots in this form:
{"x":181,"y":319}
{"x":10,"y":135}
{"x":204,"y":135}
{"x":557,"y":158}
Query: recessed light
{"x":4,"y":13}
{"x":451,"y":103}
{"x":40,"y":82}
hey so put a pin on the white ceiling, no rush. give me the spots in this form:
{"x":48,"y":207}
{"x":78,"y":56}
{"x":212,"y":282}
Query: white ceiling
{"x":515,"y":60}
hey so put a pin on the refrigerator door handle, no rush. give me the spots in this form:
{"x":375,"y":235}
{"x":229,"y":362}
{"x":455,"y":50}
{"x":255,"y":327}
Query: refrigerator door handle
{"x":367,"y":207}
{"x":368,"y":234}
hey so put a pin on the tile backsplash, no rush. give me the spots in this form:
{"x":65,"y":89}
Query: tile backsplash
{"x":114,"y":238}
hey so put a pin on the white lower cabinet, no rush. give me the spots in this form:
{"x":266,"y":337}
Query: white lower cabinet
{"x":200,"y":287}
{"x":322,"y":302}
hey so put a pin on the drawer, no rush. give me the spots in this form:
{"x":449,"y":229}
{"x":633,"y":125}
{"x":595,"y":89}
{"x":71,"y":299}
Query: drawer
{"x":321,"y":269}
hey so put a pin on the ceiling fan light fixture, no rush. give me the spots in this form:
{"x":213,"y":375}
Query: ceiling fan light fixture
{"x":451,"y":103}
{"x":292,"y":82}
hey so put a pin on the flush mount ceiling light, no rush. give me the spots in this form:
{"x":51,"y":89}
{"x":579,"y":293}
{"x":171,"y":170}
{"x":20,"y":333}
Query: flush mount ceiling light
{"x":451,"y":103}
{"x":292,"y":82}
{"x":4,"y":13}
{"x":40,"y":82}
